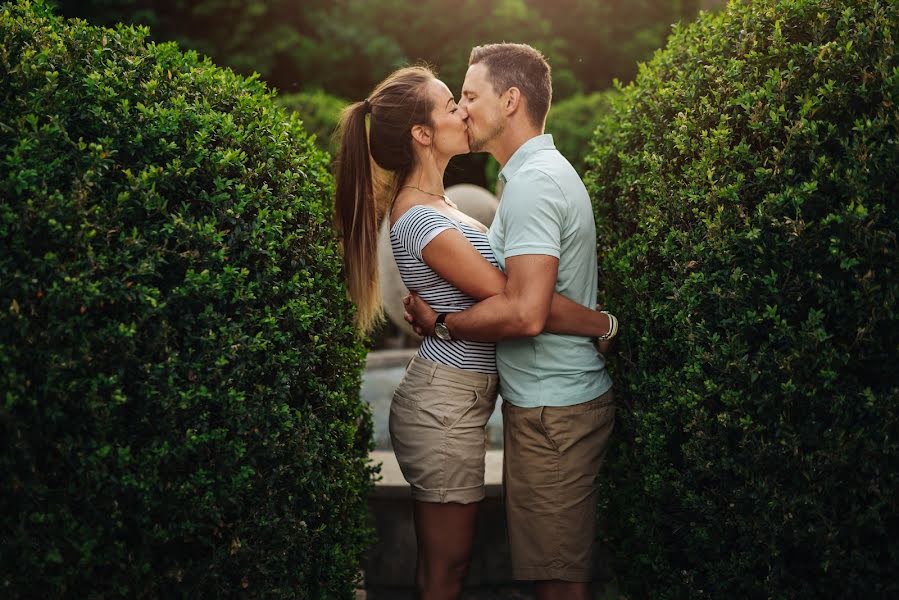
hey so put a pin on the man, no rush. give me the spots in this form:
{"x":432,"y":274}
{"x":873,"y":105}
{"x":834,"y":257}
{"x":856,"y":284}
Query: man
{"x":557,"y":410}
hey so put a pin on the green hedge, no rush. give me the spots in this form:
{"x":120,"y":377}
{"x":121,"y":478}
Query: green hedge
{"x":320,"y":113}
{"x":572,"y":123}
{"x":178,"y":365}
{"x":746,"y":192}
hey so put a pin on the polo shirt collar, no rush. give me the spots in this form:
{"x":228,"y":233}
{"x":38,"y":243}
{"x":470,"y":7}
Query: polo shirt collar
{"x":524,"y":152}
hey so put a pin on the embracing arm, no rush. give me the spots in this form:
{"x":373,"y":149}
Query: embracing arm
{"x":520,"y":304}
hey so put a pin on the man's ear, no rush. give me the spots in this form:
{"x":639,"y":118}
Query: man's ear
{"x":513,"y":100}
{"x":422,"y":134}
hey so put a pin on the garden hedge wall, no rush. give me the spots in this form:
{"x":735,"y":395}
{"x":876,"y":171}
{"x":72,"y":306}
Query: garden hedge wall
{"x":746,"y":190}
{"x":178,"y":365}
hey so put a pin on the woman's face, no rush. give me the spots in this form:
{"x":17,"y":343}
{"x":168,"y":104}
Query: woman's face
{"x":450,"y":130}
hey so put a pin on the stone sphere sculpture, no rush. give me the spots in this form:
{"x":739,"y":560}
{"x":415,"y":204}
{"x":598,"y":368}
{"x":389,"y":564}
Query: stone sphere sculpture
{"x":474,"y":201}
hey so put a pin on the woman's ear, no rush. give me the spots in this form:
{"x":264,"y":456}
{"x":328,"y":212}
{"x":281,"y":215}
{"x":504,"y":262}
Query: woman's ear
{"x":422,"y":134}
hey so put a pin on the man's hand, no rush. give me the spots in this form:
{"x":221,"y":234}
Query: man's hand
{"x":419,"y":314}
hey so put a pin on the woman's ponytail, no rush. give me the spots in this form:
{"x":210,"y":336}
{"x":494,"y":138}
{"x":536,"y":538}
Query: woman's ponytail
{"x":395,"y":105}
{"x":357,"y":217}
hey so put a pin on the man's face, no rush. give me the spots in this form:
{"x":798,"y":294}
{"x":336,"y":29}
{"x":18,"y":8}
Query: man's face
{"x":483,"y":105}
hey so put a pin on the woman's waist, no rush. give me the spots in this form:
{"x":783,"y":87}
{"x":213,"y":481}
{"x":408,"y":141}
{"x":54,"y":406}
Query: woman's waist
{"x":436,"y":368}
{"x":485,"y":349}
{"x":463,"y":354}
{"x":443,"y":305}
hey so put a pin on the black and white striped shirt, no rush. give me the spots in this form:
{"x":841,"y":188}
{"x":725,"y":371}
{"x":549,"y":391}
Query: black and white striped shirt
{"x":408,"y":238}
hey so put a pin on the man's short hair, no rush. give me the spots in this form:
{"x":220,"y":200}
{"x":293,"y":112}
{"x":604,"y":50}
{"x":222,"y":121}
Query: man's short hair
{"x":520,"y":66}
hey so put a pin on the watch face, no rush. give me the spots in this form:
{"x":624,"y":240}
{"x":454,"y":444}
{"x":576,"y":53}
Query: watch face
{"x":442,"y":332}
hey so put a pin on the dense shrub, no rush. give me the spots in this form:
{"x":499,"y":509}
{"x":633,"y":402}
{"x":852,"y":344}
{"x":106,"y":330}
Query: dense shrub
{"x":746,"y":193}
{"x":178,"y":366}
{"x":572,"y":122}
{"x":320,"y":113}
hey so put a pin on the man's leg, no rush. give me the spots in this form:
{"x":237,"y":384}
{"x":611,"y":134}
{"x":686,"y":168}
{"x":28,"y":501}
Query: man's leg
{"x":551,"y":465}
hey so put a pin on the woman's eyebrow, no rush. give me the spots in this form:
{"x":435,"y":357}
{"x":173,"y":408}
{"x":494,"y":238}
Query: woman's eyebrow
{"x":448,"y":101}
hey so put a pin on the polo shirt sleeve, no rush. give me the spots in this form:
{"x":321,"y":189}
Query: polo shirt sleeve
{"x":533,"y":215}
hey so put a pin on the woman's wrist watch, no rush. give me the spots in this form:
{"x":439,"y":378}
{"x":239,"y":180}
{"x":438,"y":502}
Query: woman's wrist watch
{"x":441,"y":330}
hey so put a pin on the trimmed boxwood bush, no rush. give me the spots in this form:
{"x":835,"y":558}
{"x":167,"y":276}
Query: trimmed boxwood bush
{"x":178,"y":366}
{"x":746,"y":190}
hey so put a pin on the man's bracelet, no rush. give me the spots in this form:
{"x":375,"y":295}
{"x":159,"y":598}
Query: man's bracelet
{"x":613,"y":326}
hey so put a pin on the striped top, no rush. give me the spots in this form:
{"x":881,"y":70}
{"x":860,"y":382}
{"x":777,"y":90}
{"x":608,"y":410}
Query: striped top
{"x":408,"y":238}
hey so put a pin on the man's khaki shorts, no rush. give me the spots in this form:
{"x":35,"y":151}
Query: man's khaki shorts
{"x":552,"y":457}
{"x":437,"y":424}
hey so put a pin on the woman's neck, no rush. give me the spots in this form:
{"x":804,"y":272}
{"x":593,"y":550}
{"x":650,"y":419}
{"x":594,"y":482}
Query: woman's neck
{"x":427,"y":177}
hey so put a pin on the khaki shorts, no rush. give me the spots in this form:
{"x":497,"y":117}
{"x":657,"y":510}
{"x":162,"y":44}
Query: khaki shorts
{"x":551,"y":465}
{"x":438,"y":421}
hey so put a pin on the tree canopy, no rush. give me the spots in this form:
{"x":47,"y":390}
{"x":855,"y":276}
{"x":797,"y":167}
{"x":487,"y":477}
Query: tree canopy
{"x":346,"y":46}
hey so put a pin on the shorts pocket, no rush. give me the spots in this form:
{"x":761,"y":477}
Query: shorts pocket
{"x":448,"y":404}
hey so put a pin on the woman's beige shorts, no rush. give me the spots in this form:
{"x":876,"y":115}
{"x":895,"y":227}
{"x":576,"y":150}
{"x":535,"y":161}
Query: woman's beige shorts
{"x":438,"y":421}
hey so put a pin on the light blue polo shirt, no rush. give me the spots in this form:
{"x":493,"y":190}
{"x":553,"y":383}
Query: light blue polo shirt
{"x":545,"y":209}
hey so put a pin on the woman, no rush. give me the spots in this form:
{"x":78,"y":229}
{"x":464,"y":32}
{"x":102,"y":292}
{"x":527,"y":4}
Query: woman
{"x":440,"y":409}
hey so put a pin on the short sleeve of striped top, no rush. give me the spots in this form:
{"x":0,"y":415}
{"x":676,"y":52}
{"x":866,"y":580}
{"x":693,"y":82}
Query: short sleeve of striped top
{"x":418,"y":226}
{"x":409,"y":236}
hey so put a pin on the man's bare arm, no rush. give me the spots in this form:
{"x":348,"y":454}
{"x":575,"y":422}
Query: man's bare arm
{"x":520,"y":310}
{"x":453,"y":257}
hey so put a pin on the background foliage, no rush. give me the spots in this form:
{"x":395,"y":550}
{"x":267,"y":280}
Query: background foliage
{"x":346,"y":46}
{"x":178,"y":364}
{"x":746,"y":193}
{"x":572,"y":123}
{"x":320,"y":113}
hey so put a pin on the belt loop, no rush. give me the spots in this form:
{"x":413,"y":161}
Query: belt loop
{"x":431,"y":376}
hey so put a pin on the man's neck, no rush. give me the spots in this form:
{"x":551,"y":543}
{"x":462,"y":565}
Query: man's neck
{"x":512,"y":140}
